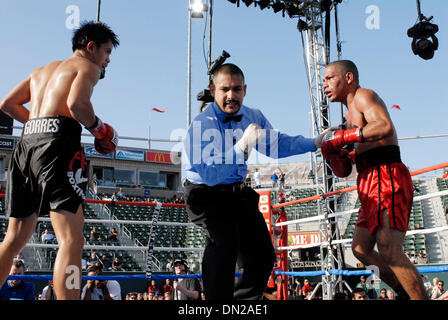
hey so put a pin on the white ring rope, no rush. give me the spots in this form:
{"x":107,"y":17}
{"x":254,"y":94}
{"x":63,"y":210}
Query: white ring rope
{"x":320,"y":217}
{"x":304,"y":220}
{"x":344,"y":241}
{"x":107,"y":221}
{"x":128,"y":248}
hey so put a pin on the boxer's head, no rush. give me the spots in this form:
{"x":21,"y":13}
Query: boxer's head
{"x":340,"y":77}
{"x":97,"y":40}
{"x":228,"y":88}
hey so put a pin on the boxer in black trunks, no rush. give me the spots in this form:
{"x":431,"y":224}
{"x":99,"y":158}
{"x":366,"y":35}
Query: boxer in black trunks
{"x":47,"y":170}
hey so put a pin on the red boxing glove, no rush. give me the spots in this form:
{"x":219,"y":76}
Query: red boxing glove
{"x":335,"y":140}
{"x":342,"y":165}
{"x":106,"y":138}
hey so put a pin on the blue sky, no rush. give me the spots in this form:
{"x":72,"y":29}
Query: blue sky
{"x":149,"y":68}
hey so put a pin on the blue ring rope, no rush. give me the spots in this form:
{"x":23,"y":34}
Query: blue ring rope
{"x":423,"y":269}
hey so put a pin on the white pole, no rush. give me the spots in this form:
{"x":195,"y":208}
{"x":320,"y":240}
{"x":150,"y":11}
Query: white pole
{"x":189,"y":69}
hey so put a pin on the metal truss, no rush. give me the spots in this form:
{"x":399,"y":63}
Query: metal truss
{"x":316,"y":54}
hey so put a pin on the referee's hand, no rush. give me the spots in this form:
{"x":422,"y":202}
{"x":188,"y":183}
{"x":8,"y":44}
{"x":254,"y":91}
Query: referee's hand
{"x":251,"y":136}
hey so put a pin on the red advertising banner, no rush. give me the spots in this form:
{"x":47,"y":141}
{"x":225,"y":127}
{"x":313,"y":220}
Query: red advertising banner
{"x":303,"y":238}
{"x":160,"y":157}
{"x":264,"y":205}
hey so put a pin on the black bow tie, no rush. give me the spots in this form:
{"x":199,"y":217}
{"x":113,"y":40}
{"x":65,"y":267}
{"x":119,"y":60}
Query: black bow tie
{"x":236,"y":118}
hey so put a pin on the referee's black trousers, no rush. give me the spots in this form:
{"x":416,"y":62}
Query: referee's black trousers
{"x":237,"y":240}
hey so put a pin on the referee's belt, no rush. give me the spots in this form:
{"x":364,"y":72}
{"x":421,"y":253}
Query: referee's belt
{"x":232,"y":187}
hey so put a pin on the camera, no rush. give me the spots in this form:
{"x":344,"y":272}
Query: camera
{"x":205,"y":95}
{"x":218,"y":62}
{"x":424,"y":41}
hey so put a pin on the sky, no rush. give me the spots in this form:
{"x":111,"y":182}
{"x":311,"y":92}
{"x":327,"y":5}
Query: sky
{"x":149,"y":68}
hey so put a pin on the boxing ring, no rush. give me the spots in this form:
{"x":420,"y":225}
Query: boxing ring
{"x":276,"y":219}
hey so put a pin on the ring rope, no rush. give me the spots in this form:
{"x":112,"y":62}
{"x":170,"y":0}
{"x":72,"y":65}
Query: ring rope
{"x":320,"y":217}
{"x":421,"y":269}
{"x":325,"y":195}
{"x":344,"y":241}
{"x":128,"y":248}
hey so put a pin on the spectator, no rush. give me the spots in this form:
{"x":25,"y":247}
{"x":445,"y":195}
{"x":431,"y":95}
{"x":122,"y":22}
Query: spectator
{"x":117,"y":265}
{"x":121,"y":195}
{"x":298,"y":290}
{"x":427,"y":285}
{"x":153,"y":287}
{"x":307,"y":288}
{"x":408,"y":254}
{"x":185,"y":288}
{"x":92,"y":260}
{"x":94,"y":234}
{"x":383,"y":294}
{"x":158,"y":296}
{"x":359,"y":294}
{"x":281,"y":179}
{"x":17,"y":289}
{"x":290,"y":287}
{"x":257,"y":179}
{"x":145,"y":295}
{"x":248,"y":179}
{"x":48,"y":292}
{"x":167,"y":287}
{"x":421,"y":258}
{"x":132,"y":296}
{"x":151,"y":295}
{"x":168,"y":296}
{"x":169,"y":266}
{"x":362,"y":284}
{"x":274,"y":179}
{"x":47,"y":237}
{"x":105,"y":262}
{"x":140,"y":296}
{"x":20,"y":257}
{"x":390,"y":295}
{"x":418,"y":226}
{"x":100,"y":289}
{"x":438,"y":291}
{"x":113,"y":234}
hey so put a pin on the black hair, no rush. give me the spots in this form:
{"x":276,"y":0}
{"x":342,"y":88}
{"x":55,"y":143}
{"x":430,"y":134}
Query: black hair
{"x":228,"y":68}
{"x":98,"y":32}
{"x":18,"y":263}
{"x":347,"y":66}
{"x":358,"y":290}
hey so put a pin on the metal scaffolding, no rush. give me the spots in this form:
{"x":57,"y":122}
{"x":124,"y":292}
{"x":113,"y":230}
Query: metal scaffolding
{"x":316,"y":51}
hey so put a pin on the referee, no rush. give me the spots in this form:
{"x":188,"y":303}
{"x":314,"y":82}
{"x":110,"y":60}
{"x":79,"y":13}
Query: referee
{"x":217,"y":146}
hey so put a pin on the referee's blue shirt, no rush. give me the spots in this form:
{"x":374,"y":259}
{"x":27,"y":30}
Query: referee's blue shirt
{"x":211,"y":155}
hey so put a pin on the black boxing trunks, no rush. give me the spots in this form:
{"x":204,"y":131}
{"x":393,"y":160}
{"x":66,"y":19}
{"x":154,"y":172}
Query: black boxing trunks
{"x":47,"y":169}
{"x":384,"y":182}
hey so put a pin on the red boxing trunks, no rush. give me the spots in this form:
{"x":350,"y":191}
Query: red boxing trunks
{"x":384,"y":183}
{"x":47,"y":168}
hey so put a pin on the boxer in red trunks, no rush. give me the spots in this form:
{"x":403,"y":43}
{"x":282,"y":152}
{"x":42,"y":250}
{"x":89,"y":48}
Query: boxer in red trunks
{"x":385,"y":187}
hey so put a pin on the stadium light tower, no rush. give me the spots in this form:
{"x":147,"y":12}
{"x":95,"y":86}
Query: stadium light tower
{"x":195,"y":9}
